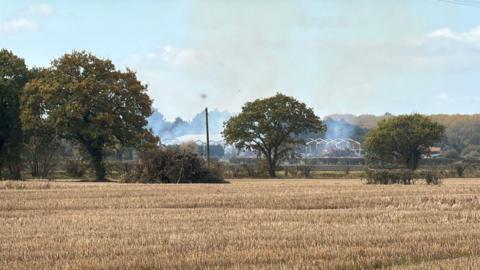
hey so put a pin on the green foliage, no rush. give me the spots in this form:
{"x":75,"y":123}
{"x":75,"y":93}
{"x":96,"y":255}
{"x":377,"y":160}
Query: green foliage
{"x":462,"y":133}
{"x":173,"y":166}
{"x":473,"y":155}
{"x":272,"y":127}
{"x":41,"y":143}
{"x":403,"y":140}
{"x":87,"y":101}
{"x":451,"y":154}
{"x":471,"y":152}
{"x":13,"y":76}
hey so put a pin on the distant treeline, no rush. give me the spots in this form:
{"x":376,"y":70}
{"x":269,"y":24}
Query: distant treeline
{"x":462,"y":137}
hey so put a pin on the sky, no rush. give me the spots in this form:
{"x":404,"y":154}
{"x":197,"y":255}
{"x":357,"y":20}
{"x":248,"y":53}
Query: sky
{"x":358,"y":57}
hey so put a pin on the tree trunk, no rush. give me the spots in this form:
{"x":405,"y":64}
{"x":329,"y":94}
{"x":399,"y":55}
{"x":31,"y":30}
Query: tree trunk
{"x":272,"y":168}
{"x":1,"y":157}
{"x":46,"y":165}
{"x":2,"y":141}
{"x":34,"y":168}
{"x":412,"y":162}
{"x":96,"y":159}
{"x":271,"y":171}
{"x":15,"y":172}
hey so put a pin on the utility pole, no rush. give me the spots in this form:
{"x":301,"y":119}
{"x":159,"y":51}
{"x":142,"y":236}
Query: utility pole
{"x":208,"y":138}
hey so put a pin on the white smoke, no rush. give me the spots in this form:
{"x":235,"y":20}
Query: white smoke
{"x":172,"y":130}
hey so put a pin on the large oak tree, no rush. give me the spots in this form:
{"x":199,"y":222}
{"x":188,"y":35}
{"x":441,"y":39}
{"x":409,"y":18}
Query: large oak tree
{"x":13,"y":76}
{"x":403,"y":139}
{"x":88,"y":101}
{"x":272,"y":127}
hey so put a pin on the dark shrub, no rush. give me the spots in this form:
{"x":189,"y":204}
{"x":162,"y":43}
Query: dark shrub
{"x":173,"y":166}
{"x":432,"y":177}
{"x":460,"y":170}
{"x":75,"y":168}
{"x":250,"y":170}
{"x":401,"y":176}
{"x":306,"y":171}
{"x":394,"y":176}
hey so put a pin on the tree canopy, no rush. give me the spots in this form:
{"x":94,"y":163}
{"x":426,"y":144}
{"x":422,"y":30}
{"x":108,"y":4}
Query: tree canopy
{"x":41,"y":141}
{"x":13,"y":76}
{"x":271,"y":126}
{"x":403,"y":139}
{"x":462,"y":130}
{"x":87,"y":101}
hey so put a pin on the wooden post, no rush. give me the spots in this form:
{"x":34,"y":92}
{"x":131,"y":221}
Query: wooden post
{"x":208,"y":138}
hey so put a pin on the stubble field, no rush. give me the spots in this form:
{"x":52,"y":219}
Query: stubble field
{"x":248,"y":224}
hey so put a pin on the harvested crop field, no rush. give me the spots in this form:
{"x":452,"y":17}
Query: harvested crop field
{"x":248,"y":224}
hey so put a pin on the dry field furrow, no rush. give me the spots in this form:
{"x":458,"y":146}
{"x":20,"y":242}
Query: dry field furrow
{"x":248,"y":224}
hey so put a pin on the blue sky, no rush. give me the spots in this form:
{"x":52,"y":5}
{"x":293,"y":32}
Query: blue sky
{"x":338,"y":56}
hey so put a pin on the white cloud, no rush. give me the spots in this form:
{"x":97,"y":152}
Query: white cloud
{"x":235,"y":57}
{"x":181,"y":57}
{"x":440,"y":51}
{"x":442,"y":33}
{"x":472,"y":35}
{"x":40,"y":10}
{"x":349,"y":70}
{"x":26,"y":20}
{"x":17,"y":25}
{"x":173,"y":56}
{"x":448,"y":50}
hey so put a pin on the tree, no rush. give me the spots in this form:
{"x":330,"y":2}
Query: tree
{"x":403,"y":139}
{"x":471,"y":152}
{"x":42,"y":144}
{"x":87,"y":101}
{"x":272,"y":127}
{"x":472,"y":155}
{"x":13,"y":76}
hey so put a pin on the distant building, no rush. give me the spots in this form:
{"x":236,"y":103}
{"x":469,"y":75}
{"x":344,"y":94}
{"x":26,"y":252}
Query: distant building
{"x":435,"y":152}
